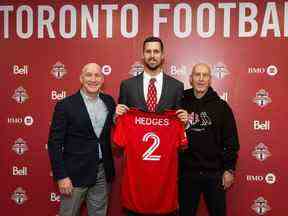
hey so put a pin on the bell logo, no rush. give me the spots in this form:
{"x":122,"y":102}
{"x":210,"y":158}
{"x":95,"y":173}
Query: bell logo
{"x":58,"y":95}
{"x":19,"y":196}
{"x":19,"y":171}
{"x":20,"y":146}
{"x":258,"y":125}
{"x":17,"y":70}
{"x":58,"y":70}
{"x":260,"y":206}
{"x":20,"y":95}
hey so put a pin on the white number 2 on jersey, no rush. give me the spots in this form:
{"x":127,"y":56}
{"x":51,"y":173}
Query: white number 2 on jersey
{"x":156,"y":142}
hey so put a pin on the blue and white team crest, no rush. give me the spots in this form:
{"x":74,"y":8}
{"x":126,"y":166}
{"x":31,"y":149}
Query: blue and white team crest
{"x":19,"y":196}
{"x":262,"y":98}
{"x":220,"y":70}
{"x":136,"y":69}
{"x":261,"y":152}
{"x":20,"y":146}
{"x":20,"y":95}
{"x":58,"y":70}
{"x":261,"y":206}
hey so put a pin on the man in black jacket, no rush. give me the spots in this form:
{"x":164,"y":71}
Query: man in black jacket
{"x":79,"y":145}
{"x":208,"y":165}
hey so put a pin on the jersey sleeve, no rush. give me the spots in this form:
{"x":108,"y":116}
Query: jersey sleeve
{"x":119,"y":132}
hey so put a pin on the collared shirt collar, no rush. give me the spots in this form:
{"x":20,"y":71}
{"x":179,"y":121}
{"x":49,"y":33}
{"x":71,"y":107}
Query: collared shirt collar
{"x":158,"y":77}
{"x":88,"y":98}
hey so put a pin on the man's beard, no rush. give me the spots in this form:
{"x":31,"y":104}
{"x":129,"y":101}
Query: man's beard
{"x":153,"y":67}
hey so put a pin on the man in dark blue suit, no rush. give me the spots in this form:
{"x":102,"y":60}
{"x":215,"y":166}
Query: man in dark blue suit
{"x":151,"y":91}
{"x":79,"y":145}
{"x":134,"y":92}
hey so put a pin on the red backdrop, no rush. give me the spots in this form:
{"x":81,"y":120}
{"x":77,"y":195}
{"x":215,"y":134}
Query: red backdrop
{"x":44,"y":46}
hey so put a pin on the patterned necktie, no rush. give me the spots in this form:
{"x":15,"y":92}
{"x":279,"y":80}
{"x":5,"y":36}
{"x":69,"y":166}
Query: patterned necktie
{"x":152,"y":96}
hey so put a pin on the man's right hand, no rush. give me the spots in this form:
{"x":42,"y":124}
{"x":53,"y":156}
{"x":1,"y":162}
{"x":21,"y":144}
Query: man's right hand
{"x":65,"y":186}
{"x":121,"y":109}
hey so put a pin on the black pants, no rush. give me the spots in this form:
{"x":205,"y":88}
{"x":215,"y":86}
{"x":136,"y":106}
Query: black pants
{"x":131,"y":213}
{"x":192,"y":186}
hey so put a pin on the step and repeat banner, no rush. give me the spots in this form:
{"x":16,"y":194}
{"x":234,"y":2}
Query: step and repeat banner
{"x":44,"y":45}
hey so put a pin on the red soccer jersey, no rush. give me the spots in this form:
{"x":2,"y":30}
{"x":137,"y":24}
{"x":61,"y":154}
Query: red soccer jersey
{"x":151,"y":142}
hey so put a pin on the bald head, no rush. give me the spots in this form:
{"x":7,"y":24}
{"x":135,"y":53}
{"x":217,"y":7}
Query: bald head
{"x":90,"y":67}
{"x":91,"y":79}
{"x":200,"y":79}
{"x":201,"y":66}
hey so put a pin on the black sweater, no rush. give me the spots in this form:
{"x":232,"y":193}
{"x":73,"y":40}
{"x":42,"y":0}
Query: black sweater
{"x":212,"y":134}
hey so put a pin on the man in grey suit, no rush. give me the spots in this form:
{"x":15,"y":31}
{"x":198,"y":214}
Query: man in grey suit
{"x":152,"y":90}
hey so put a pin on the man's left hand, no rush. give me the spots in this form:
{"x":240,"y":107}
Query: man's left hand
{"x":227,"y":179}
{"x":182,"y":115}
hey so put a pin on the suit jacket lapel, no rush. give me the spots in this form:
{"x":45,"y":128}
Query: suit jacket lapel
{"x":141,"y":92}
{"x":163,"y":94}
{"x":83,"y":112}
{"x":109,"y":112}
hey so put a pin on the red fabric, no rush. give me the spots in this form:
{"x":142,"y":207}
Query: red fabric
{"x":151,"y":142}
{"x":152,"y":96}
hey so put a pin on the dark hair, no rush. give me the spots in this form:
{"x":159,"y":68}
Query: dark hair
{"x":153,"y":39}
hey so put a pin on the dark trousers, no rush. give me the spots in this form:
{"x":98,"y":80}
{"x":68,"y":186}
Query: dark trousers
{"x":192,"y":186}
{"x":131,"y":213}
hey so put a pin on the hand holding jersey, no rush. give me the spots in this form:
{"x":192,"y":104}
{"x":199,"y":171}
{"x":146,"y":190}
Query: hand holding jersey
{"x":151,"y":142}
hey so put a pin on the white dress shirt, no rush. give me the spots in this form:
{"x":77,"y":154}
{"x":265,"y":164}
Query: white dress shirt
{"x":158,"y":84}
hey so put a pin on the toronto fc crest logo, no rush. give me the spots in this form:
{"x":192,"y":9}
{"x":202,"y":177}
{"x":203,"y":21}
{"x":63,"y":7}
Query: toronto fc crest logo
{"x":220,"y":70}
{"x":262,"y":98}
{"x":20,"y":146}
{"x":261,"y":152}
{"x":58,"y":70}
{"x":20,"y":95}
{"x":19,"y":196}
{"x":136,"y":69}
{"x":261,"y":206}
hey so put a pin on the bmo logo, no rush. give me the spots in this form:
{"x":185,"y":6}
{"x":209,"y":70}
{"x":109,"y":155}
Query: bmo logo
{"x":106,"y":70}
{"x":254,"y":178}
{"x":14,"y":120}
{"x":271,"y":70}
{"x":269,"y":178}
{"x":54,"y":197}
{"x":27,"y":120}
{"x":55,"y":95}
{"x":261,"y":125}
{"x":20,"y":70}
